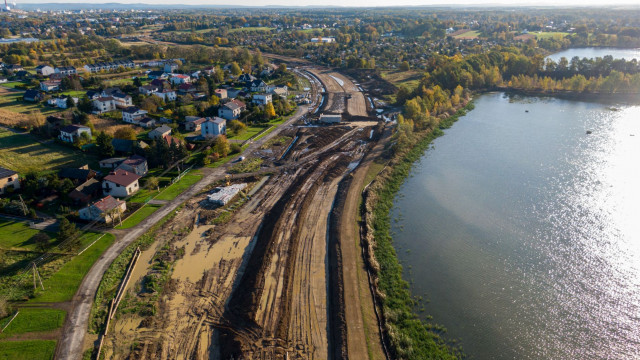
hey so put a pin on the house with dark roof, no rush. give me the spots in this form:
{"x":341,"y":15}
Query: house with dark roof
{"x":120,"y":183}
{"x":111,"y":163}
{"x":32,"y":96}
{"x":133,"y":114}
{"x":93,"y":94}
{"x":147,"y":122}
{"x":157,"y":75}
{"x":66,"y":70}
{"x":54,"y":124}
{"x":135,"y":164}
{"x":149,"y":89}
{"x":105,"y":210}
{"x":125,"y":146}
{"x":9,"y":179}
{"x":78,"y":176}
{"x":246,"y":78}
{"x":258,"y":86}
{"x":194,"y":124}
{"x":231,"y":110}
{"x":70,"y":133}
{"x":213,"y":127}
{"x":103,"y":104}
{"x":159,"y":132}
{"x":86,"y":191}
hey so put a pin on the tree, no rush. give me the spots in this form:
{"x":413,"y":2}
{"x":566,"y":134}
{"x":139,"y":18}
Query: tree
{"x":70,"y":103}
{"x":404,"y":66}
{"x":68,"y":231}
{"x":237,"y":127}
{"x":221,"y":145}
{"x":126,"y":133}
{"x":269,"y":111}
{"x":105,"y":148}
{"x":235,"y":69}
{"x":85,"y":105}
{"x":153,"y":183}
{"x":41,"y":240}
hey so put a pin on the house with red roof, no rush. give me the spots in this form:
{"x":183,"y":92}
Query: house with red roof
{"x":104,"y":210}
{"x":120,"y":183}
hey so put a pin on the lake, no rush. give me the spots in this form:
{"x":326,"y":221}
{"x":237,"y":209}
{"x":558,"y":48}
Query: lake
{"x":594,"y":52}
{"x":522,"y":230}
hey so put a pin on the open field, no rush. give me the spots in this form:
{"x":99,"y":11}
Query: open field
{"x":27,"y":350}
{"x":11,"y":101}
{"x":22,"y":153}
{"x":110,"y":126}
{"x":252,"y":28}
{"x":18,"y":235}
{"x":64,"y":283}
{"x":467,"y":35}
{"x":34,"y":320}
{"x":409,"y":79}
{"x":138,"y":216}
{"x":177,"y":188}
{"x":550,"y":34}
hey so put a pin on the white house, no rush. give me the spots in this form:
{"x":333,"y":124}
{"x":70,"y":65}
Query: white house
{"x":170,"y":67}
{"x":261,"y":99}
{"x":50,"y":85}
{"x":8,"y":179}
{"x":325,"y":40}
{"x":213,"y":127}
{"x":148,"y":89}
{"x":133,"y":114}
{"x":45,"y":70}
{"x":178,"y":79}
{"x":122,"y":100}
{"x":61,"y":102}
{"x":166,"y":95}
{"x":231,"y":110}
{"x":66,"y":70}
{"x":104,"y":104}
{"x":120,"y":183}
{"x":258,"y":86}
{"x":70,"y":132}
{"x":105,"y":210}
{"x":147,"y":122}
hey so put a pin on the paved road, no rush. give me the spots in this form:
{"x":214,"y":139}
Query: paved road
{"x":70,"y":345}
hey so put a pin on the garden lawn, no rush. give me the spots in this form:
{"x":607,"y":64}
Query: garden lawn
{"x":12,"y":84}
{"x":14,"y":234}
{"x":11,"y":101}
{"x":34,"y":320}
{"x":22,"y":153}
{"x":550,"y":34}
{"x":62,"y":285}
{"x":135,"y":218}
{"x":27,"y":350}
{"x":176,"y":189}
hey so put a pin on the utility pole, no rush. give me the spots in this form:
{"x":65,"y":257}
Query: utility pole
{"x":24,"y":206}
{"x":36,"y":272}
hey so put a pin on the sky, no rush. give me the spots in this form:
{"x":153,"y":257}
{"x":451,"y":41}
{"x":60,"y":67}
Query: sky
{"x":358,"y":3}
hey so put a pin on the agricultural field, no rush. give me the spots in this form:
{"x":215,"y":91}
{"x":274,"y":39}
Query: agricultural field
{"x":34,"y":320}
{"x":27,"y":350}
{"x":22,"y":153}
{"x":550,"y":34}
{"x":409,"y":79}
{"x":467,"y":35}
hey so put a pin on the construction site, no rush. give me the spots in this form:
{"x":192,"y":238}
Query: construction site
{"x":260,"y":264}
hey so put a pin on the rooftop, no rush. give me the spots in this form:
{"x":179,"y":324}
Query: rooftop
{"x":122,"y":177}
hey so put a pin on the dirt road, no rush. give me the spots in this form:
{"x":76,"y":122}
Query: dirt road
{"x":71,"y":344}
{"x":342,"y":94}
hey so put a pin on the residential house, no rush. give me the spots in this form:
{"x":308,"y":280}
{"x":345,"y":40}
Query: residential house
{"x":66,"y":70}
{"x":122,"y":100}
{"x":50,"y":85}
{"x":86,"y":191}
{"x":187,"y":89}
{"x":104,"y":104}
{"x":178,"y":79}
{"x":61,"y":101}
{"x":133,"y":114}
{"x":105,"y":210}
{"x":70,"y":133}
{"x":92,"y":94}
{"x":171,"y":67}
{"x":111,"y":163}
{"x":258,"y":86}
{"x":14,"y":68}
{"x":32,"y":96}
{"x":166,"y":95}
{"x":246,"y":78}
{"x":221,"y":93}
{"x":282,"y":91}
{"x":77,"y":175}
{"x":120,"y":183}
{"x":157,"y":75}
{"x":149,"y":89}
{"x":209,"y":70}
{"x":213,"y":127}
{"x":171,"y":141}
{"x":53,"y":124}
{"x":231,"y":110}
{"x":135,"y":164}
{"x":45,"y":70}
{"x":109,"y":66}
{"x":159,"y":132}
{"x":160,"y":83}
{"x":261,"y":99}
{"x":9,"y":179}
{"x":125,"y":146}
{"x":147,"y":122}
{"x":195,"y":124}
